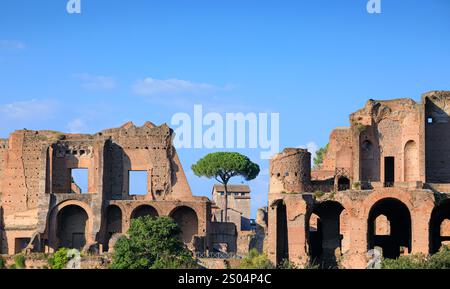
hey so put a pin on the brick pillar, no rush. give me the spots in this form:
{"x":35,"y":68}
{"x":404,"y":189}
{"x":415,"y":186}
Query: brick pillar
{"x":296,"y":221}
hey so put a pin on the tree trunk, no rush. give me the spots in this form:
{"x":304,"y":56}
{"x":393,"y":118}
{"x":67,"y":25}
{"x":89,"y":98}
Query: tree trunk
{"x":226,"y":202}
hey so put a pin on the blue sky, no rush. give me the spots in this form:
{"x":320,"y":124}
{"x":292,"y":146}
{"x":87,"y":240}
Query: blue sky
{"x":312,"y":61}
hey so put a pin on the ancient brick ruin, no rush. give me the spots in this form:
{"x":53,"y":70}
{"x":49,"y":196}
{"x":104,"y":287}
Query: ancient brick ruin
{"x":42,"y":209}
{"x":384,"y":183}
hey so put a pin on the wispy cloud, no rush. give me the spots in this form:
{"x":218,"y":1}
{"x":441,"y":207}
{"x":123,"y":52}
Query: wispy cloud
{"x":12,"y":44}
{"x":77,"y":125}
{"x":28,"y":109}
{"x":96,"y":82}
{"x":151,"y":86}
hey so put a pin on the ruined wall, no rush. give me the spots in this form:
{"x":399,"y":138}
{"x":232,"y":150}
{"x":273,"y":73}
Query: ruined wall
{"x":388,"y":129}
{"x":147,"y":148}
{"x":437,"y":136}
{"x":75,"y":152}
{"x":290,"y":171}
{"x":339,"y":153}
{"x":36,"y":186}
{"x":24,"y":172}
{"x":353,"y":223}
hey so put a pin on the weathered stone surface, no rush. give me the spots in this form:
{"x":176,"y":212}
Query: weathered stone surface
{"x":384,"y":183}
{"x":39,"y":198}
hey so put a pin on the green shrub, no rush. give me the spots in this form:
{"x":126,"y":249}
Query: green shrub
{"x":440,"y":260}
{"x":255,"y":260}
{"x":19,"y":261}
{"x":286,"y":264}
{"x":416,"y":261}
{"x":59,"y":260}
{"x":2,"y":263}
{"x":153,"y":243}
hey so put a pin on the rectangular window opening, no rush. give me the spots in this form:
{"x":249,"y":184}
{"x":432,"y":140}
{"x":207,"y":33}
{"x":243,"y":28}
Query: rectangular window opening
{"x":137,"y":181}
{"x":80,"y":183}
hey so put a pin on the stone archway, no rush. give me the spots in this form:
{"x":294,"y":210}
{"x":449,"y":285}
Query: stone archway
{"x":187,"y":220}
{"x":282,"y":243}
{"x":113,"y":223}
{"x":72,"y":227}
{"x":440,"y":226}
{"x":397,"y":215}
{"x":324,"y":236}
{"x":144,"y":210}
{"x":411,"y":162}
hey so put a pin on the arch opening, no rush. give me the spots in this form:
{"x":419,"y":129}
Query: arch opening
{"x":144,"y":210}
{"x":72,"y":227}
{"x":282,"y":243}
{"x":324,"y":234}
{"x":113,"y":223}
{"x":187,"y":220}
{"x":440,"y":227}
{"x":369,"y":162}
{"x":411,"y":162}
{"x":397,"y":216}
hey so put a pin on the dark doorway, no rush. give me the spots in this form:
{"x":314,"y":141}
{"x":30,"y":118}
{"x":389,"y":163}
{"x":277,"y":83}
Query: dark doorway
{"x":113,"y":223}
{"x":325,"y":241}
{"x":21,"y":244}
{"x":440,"y":214}
{"x":389,"y":171}
{"x":282,"y":233}
{"x":72,"y":226}
{"x":343,"y":184}
{"x":399,"y":237}
{"x":187,"y":220}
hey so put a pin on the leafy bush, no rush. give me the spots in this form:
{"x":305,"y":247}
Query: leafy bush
{"x":440,"y":260}
{"x":153,"y":243}
{"x":416,"y":261}
{"x":320,"y":154}
{"x":59,"y":260}
{"x":2,"y":263}
{"x":286,"y":264}
{"x":19,"y":261}
{"x":255,"y":260}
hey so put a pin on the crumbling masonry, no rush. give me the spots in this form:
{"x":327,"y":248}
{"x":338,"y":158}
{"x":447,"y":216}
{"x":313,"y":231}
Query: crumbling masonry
{"x":42,"y":209}
{"x":384,"y":183}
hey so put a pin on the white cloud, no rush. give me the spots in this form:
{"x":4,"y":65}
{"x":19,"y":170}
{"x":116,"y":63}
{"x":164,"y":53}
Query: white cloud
{"x":96,"y":82}
{"x":28,"y":109}
{"x":77,"y":125}
{"x":150,"y":86}
{"x":12,"y":44}
{"x":312,"y":147}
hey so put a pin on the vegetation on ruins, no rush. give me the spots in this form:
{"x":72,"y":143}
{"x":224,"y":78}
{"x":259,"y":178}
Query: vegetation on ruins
{"x":152,"y":243}
{"x":440,"y":260}
{"x":223,"y":166}
{"x":320,"y":154}
{"x":2,"y":263}
{"x":19,"y":261}
{"x":255,"y":260}
{"x":59,"y":260}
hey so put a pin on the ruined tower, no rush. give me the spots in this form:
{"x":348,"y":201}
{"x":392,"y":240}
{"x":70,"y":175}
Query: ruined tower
{"x":290,"y":171}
